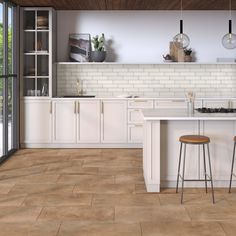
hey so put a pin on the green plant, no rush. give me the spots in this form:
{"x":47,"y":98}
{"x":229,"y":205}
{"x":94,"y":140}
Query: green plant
{"x":188,"y":51}
{"x":98,"y":43}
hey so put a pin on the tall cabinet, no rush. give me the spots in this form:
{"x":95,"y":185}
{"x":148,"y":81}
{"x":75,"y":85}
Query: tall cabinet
{"x":38,"y":47}
{"x":38,"y":72}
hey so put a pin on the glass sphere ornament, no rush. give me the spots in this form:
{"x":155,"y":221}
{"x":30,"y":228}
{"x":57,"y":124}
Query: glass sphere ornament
{"x":229,"y":41}
{"x":181,"y":40}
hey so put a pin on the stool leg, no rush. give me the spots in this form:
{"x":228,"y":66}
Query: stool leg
{"x":180,"y":154}
{"x":212,"y":188}
{"x":204,"y":162}
{"x":232,"y":169}
{"x":182,"y":194}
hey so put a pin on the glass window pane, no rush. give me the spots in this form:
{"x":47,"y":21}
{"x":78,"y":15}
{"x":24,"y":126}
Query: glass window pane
{"x":1,"y":79}
{"x":10,"y":113}
{"x":10,"y":36}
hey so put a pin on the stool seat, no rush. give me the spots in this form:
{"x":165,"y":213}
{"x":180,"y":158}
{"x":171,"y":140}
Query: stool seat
{"x":234,"y":138}
{"x":194,"y":139}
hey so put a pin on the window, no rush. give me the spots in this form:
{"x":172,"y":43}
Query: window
{"x":8,"y":79}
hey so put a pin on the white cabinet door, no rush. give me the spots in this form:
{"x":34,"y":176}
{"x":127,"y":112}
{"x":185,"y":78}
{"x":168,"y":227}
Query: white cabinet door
{"x":36,"y":121}
{"x":88,"y":121}
{"x":114,"y":121}
{"x":135,"y":133}
{"x":64,"y":121}
{"x":221,"y":134}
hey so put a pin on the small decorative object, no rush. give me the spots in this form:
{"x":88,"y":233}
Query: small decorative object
{"x":42,"y":22}
{"x":177,"y":54}
{"x":190,"y":97}
{"x":99,"y":53}
{"x":187,"y":53}
{"x":167,"y":58}
{"x":45,"y":89}
{"x":79,"y":87}
{"x":79,"y":47}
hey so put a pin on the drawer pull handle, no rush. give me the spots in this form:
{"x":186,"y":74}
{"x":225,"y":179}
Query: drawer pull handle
{"x":140,"y":101}
{"x":102,"y":108}
{"x":50,"y":108}
{"x":75,"y":108}
{"x":78,"y":107}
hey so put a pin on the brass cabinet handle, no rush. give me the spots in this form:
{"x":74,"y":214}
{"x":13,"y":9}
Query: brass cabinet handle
{"x":140,"y":100}
{"x":75,"y":107}
{"x":102,"y":109}
{"x":178,"y":101}
{"x":50,"y":109}
{"x":138,"y":125}
{"x":78,"y":108}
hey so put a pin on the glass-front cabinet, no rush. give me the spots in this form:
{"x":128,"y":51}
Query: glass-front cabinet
{"x":37,"y":52}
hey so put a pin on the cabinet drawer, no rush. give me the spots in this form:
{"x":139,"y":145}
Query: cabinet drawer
{"x":135,"y":116}
{"x":216,"y":103}
{"x":135,"y":133}
{"x":140,"y":104}
{"x":171,"y":103}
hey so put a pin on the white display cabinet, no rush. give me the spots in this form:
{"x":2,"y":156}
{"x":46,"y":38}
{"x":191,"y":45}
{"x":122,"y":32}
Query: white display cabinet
{"x":38,"y":49}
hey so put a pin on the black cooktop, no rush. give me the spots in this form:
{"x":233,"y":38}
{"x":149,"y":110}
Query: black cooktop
{"x":216,"y":110}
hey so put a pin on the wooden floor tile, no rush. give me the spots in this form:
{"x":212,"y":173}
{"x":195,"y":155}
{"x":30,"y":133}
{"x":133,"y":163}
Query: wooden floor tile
{"x":103,"y":214}
{"x":179,"y":228}
{"x":99,"y":229}
{"x":29,"y":229}
{"x":104,"y":188}
{"x":137,"y":214}
{"x":126,"y":200}
{"x":58,"y":200}
{"x":19,"y":214}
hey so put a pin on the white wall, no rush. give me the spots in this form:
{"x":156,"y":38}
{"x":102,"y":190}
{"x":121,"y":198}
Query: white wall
{"x":143,"y":36}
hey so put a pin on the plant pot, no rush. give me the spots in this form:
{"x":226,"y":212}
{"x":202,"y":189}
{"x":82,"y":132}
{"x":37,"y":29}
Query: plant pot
{"x":187,"y":58}
{"x":98,"y":56}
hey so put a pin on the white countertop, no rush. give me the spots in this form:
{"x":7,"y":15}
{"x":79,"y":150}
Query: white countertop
{"x":182,"y":114}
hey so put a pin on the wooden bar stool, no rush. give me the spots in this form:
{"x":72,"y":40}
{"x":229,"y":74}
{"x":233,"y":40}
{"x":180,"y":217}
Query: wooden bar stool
{"x":232,"y":168}
{"x":194,"y":140}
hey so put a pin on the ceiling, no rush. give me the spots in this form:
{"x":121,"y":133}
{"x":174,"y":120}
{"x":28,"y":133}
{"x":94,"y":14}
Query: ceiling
{"x":130,"y":4}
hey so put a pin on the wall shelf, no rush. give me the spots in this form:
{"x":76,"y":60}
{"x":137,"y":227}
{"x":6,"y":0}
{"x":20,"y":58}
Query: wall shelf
{"x":145,"y":63}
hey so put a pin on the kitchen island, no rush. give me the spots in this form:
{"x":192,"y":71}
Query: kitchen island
{"x":162,"y":129}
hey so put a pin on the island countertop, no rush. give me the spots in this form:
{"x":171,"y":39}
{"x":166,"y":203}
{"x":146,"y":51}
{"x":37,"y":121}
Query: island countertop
{"x":182,"y":114}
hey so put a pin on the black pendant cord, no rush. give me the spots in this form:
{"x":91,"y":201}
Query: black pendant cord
{"x":230,"y":26}
{"x":181,"y":27}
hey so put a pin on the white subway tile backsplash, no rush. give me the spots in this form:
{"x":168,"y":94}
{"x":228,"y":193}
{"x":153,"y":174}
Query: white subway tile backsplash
{"x":152,"y":80}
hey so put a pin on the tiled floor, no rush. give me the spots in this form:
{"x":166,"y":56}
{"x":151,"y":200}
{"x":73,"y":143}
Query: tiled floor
{"x":101,"y":193}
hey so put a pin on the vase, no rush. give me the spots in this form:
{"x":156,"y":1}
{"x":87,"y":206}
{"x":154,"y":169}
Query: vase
{"x":187,"y":58}
{"x":98,"y":56}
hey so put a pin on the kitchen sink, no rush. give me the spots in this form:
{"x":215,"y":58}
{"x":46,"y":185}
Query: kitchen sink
{"x":79,"y":96}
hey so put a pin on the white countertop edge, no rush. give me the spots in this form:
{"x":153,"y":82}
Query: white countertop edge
{"x":117,"y":98}
{"x":145,"y":63}
{"x":182,"y":114}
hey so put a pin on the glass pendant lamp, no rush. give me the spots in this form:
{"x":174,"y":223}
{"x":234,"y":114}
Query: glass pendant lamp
{"x":181,"y":40}
{"x":229,"y":40}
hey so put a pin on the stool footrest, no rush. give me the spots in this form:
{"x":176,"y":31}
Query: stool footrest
{"x":196,"y":179}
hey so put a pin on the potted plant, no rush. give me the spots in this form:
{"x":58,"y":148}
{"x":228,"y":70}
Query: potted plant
{"x":99,"y":53}
{"x":187,"y":54}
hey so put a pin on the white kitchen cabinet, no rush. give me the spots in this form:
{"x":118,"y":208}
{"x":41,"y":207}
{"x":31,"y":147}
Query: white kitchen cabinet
{"x":88,"y":121}
{"x":221,"y":134}
{"x":135,"y":133}
{"x":114,"y":121}
{"x":36,"y":121}
{"x":64,"y":121}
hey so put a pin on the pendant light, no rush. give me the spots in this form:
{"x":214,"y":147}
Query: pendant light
{"x":229,"y":40}
{"x":181,"y":40}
